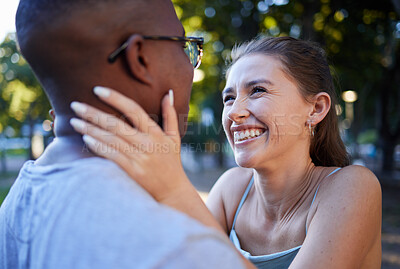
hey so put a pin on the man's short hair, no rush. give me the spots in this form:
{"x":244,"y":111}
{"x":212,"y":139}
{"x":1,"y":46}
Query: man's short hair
{"x":54,"y":40}
{"x":33,"y":13}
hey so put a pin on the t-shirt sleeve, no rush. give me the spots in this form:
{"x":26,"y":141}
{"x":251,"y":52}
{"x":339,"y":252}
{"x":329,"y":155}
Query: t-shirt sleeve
{"x":203,"y":253}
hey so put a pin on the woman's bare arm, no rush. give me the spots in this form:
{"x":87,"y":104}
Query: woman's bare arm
{"x":345,"y":229}
{"x":224,"y":197}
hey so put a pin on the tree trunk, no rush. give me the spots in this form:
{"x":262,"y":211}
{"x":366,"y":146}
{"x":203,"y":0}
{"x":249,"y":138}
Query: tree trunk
{"x":388,"y":135}
{"x":310,"y":8}
{"x":396,"y":4}
{"x":388,"y":145}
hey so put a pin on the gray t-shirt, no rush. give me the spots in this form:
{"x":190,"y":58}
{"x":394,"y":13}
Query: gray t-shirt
{"x":90,"y":214}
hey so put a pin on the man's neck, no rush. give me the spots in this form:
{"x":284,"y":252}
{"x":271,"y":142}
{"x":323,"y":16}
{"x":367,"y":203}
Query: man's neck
{"x":67,"y":146}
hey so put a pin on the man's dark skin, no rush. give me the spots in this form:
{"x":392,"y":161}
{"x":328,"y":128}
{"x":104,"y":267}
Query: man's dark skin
{"x":145,"y":72}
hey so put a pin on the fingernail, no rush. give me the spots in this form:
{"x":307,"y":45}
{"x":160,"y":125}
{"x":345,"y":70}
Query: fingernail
{"x":78,"y":107}
{"x":89,"y":140}
{"x":77,"y":123}
{"x":102,"y":91}
{"x":171,"y":97}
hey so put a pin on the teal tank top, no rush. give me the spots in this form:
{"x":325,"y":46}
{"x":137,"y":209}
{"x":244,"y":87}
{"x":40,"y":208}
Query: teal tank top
{"x":279,"y":260}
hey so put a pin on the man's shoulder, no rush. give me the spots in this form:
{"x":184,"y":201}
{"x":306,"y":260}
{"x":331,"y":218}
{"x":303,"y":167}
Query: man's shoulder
{"x":110,"y":212}
{"x":100,"y":188}
{"x":87,"y":181}
{"x":98,"y":195}
{"x":89,"y":194}
{"x":95,"y":211}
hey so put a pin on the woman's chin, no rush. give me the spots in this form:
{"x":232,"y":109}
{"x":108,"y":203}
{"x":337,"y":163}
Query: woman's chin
{"x":244,"y":162}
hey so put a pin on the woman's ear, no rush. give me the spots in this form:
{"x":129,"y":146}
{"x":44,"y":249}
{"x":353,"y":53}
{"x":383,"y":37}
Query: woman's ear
{"x":321,"y":106}
{"x":137,"y":59}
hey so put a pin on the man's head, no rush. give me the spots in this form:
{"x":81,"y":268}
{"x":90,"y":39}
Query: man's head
{"x":67,"y":43}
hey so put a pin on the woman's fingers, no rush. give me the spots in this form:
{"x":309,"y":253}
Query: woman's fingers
{"x":112,"y":141}
{"x":129,"y":157}
{"x":110,"y":153}
{"x":129,"y":108}
{"x":170,"y":119}
{"x":104,"y":120}
{"x":53,"y":117}
{"x":52,"y":114}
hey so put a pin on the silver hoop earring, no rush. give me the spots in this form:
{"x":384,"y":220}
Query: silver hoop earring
{"x":311,"y":129}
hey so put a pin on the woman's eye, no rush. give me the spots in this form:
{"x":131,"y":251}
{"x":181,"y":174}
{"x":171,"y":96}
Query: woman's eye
{"x":228,"y":98}
{"x":258,"y":90}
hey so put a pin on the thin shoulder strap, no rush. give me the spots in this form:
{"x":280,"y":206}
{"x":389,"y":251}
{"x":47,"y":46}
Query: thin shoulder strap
{"x":315,"y":195}
{"x":242,"y":201}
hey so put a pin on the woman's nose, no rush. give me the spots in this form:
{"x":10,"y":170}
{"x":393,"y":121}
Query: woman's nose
{"x":238,"y":111}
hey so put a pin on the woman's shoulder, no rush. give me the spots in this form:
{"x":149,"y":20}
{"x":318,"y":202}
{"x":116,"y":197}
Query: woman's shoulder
{"x":346,"y":216}
{"x":233,"y":183}
{"x":353,"y":177}
{"x":228,"y":191}
{"x":350,"y":186}
{"x":239,"y":175}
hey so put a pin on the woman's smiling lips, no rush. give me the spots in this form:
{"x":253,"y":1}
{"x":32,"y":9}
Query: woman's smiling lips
{"x":245,"y":132}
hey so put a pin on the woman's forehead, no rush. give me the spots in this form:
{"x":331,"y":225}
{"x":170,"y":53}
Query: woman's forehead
{"x":255,"y":67}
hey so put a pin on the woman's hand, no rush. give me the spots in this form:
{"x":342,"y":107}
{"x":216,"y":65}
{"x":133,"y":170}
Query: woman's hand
{"x":53,"y":117}
{"x":150,"y":155}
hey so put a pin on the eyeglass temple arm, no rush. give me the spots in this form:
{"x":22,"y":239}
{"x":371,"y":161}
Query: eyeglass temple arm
{"x":113,"y":56}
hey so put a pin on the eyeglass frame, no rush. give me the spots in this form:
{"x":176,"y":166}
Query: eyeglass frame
{"x":198,"y":40}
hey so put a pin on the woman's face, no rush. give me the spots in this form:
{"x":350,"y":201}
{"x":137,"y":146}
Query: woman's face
{"x":264,"y":115}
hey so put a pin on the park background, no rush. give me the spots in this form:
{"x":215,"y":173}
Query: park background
{"x":362,"y":41}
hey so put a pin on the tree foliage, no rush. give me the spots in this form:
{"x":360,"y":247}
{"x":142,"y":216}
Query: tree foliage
{"x":361,"y":39}
{"x":21,"y":97}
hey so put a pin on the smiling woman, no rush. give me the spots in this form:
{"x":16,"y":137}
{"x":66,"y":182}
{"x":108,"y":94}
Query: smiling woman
{"x":294,"y":201}
{"x":280,"y":74}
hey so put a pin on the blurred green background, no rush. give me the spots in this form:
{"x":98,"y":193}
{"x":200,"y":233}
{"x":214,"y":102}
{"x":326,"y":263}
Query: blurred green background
{"x":361,"y":39}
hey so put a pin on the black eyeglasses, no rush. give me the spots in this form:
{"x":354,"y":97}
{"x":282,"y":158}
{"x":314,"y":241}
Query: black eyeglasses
{"x":193,"y":47}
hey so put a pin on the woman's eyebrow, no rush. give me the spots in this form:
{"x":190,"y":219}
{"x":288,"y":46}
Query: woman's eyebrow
{"x":227,"y":90}
{"x":248,"y":85}
{"x":258,"y":81}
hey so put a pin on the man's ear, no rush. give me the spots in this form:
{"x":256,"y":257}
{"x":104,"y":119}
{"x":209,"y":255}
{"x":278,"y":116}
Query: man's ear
{"x":137,"y":60}
{"x":321,"y":106}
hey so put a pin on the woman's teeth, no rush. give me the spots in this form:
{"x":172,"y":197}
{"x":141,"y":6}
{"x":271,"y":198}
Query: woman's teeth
{"x":246,"y":134}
